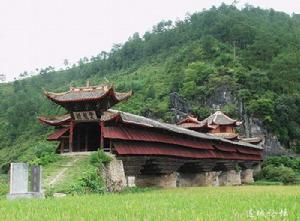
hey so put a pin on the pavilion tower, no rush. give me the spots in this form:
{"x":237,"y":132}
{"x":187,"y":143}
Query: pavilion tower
{"x":80,"y":128}
{"x":217,"y":124}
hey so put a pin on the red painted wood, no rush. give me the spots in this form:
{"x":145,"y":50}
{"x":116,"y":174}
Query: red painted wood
{"x":142,"y":134}
{"x":57,"y":134}
{"x":147,"y":148}
{"x":71,"y":136}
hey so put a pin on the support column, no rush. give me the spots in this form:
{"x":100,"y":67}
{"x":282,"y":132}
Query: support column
{"x":78,"y":139}
{"x":71,"y":136}
{"x":256,"y":168}
{"x":161,"y":180}
{"x":230,"y":178}
{"x":101,"y":135}
{"x":62,"y":145}
{"x":247,"y":176}
{"x":86,"y":139}
{"x":199,"y":179}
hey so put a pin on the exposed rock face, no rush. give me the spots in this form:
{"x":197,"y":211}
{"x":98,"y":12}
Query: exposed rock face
{"x":221,"y":96}
{"x":179,"y":107}
{"x":252,"y":127}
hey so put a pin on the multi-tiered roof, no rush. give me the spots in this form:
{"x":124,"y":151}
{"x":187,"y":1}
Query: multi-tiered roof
{"x":97,"y":98}
{"x":218,"y":124}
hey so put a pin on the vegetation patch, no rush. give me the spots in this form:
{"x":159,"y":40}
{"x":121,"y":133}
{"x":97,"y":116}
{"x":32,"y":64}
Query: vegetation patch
{"x":280,"y":169}
{"x":4,"y":188}
{"x":202,"y":203}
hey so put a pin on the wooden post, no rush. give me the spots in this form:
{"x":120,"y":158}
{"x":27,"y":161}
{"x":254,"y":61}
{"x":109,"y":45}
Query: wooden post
{"x":78,"y":139}
{"x":101,"y":135}
{"x":62,"y":145}
{"x":86,"y":139}
{"x":71,"y":136}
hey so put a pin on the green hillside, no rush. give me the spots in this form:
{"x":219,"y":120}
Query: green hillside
{"x":253,"y":51}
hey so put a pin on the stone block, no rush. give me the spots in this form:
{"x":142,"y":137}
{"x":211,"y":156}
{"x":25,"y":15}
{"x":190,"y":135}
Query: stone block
{"x":114,"y":175}
{"x":198,"y":179}
{"x":247,"y":176}
{"x":18,"y":178}
{"x":131,"y":181}
{"x":36,"y":179}
{"x":230,"y":178}
{"x":19,"y":182}
{"x":164,"y":181}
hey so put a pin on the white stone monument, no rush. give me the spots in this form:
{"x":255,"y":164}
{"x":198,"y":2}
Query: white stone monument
{"x":19,"y":173}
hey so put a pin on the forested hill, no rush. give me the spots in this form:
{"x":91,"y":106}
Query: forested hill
{"x":254,"y":51}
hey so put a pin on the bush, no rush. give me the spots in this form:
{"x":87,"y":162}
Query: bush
{"x":99,"y":158}
{"x":3,"y":185}
{"x":91,"y":182}
{"x":283,"y":174}
{"x":293,"y":163}
{"x":40,"y":153}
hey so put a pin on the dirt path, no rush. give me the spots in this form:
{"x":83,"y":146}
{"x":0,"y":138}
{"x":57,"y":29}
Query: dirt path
{"x":60,"y":175}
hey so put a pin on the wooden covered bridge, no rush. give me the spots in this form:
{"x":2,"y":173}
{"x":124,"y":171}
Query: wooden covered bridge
{"x":155,"y":153}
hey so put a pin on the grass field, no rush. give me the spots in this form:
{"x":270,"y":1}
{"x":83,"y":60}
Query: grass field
{"x":204,"y":203}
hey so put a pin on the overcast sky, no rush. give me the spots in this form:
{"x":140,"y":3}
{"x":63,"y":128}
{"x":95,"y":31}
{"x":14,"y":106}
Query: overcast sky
{"x":39,"y":33}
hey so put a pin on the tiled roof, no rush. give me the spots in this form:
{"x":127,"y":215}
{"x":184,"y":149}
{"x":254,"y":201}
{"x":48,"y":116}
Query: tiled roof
{"x":57,"y":134}
{"x":219,"y":118}
{"x":88,"y":93}
{"x":146,"y":122}
{"x":252,"y":140}
{"x":55,"y":120}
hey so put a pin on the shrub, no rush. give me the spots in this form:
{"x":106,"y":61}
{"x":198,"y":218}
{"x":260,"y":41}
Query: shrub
{"x":281,"y":173}
{"x":293,"y":163}
{"x":3,"y":185}
{"x":91,"y":182}
{"x":99,"y":158}
{"x":40,"y":153}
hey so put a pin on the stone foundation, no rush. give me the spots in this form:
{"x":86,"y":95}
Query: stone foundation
{"x":165,"y":181}
{"x":114,"y":175}
{"x":247,"y":176}
{"x":230,"y":178}
{"x":199,"y":179}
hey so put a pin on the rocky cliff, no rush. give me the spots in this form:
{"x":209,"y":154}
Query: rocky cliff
{"x":251,"y":127}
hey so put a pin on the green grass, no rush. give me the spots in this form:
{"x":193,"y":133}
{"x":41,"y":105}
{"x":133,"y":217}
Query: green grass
{"x":3,"y":185}
{"x":72,"y":174}
{"x":224,"y":203}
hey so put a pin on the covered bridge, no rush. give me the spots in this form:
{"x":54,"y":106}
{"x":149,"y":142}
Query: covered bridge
{"x":153,"y":152}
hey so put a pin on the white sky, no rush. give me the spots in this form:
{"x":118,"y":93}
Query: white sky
{"x":39,"y":33}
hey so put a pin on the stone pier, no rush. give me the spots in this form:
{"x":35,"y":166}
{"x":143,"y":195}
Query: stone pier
{"x":199,"y":179}
{"x":247,"y":176}
{"x":114,"y":175}
{"x":230,"y":178}
{"x":164,"y":180}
